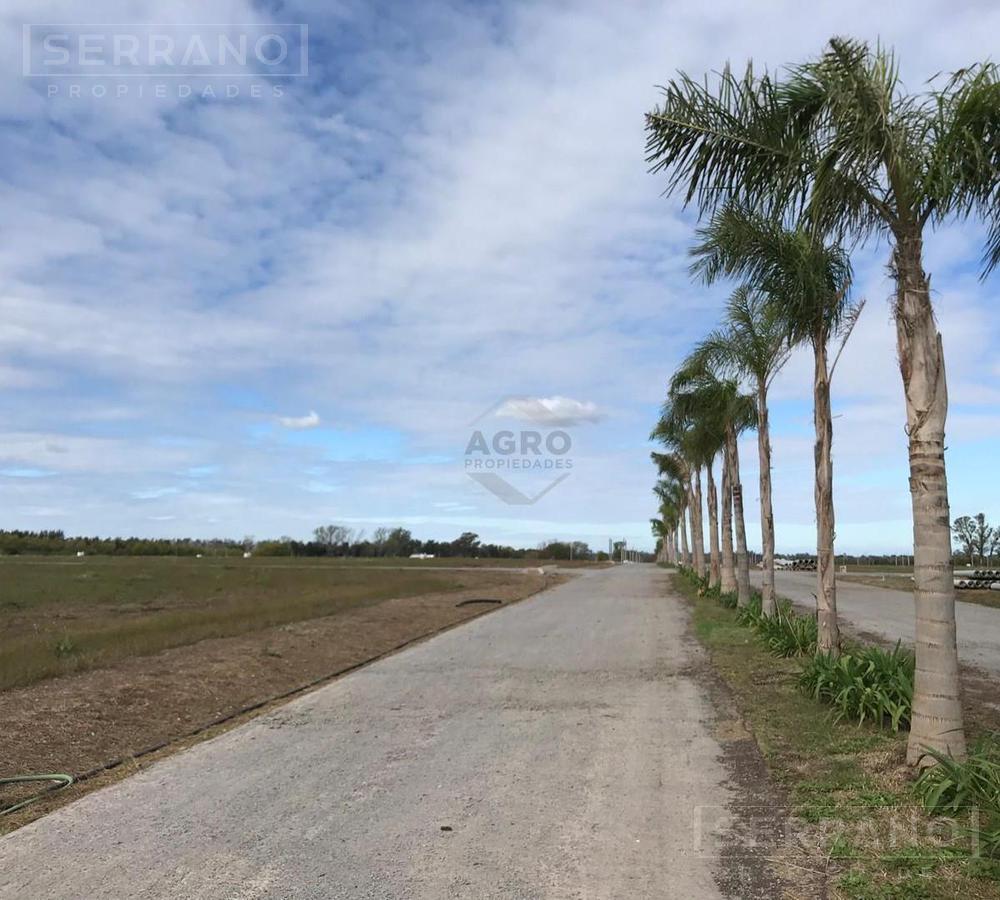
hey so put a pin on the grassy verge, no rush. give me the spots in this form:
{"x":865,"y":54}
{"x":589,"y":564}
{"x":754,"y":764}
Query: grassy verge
{"x":862,"y":831}
{"x":57,"y":618}
{"x":905,"y":583}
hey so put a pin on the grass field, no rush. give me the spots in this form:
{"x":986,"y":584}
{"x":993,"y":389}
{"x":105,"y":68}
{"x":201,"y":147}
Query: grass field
{"x":61,"y":615}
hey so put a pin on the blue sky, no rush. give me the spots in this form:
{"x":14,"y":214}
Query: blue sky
{"x":256,"y":315}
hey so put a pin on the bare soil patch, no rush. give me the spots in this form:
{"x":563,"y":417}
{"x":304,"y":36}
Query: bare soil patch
{"x":80,"y":722}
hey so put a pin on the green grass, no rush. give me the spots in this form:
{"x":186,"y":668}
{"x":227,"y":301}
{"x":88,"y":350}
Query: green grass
{"x":59,"y":616}
{"x":842,"y":778}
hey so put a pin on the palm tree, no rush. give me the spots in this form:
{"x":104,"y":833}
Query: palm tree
{"x":671,"y":494}
{"x":751,"y":344}
{"x":679,"y":433}
{"x":809,"y":283}
{"x":697,"y":507}
{"x":723,"y":412}
{"x":674,"y":471}
{"x":700,"y":435}
{"x":727,"y":580}
{"x":714,"y":548}
{"x":661,"y":533}
{"x":742,"y":415}
{"x":842,"y":141}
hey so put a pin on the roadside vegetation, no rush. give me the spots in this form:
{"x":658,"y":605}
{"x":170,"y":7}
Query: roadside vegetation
{"x":833,"y":731}
{"x":789,"y":172}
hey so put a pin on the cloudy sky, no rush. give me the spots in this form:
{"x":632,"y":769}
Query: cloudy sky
{"x":240,"y":314}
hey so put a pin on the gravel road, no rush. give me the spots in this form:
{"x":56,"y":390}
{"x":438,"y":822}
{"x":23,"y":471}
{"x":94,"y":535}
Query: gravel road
{"x":889,"y":613}
{"x":557,"y":748}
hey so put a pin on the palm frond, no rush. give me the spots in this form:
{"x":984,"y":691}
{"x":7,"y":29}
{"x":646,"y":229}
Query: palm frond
{"x":962,"y":175}
{"x":724,"y":140}
{"x":807,"y":280}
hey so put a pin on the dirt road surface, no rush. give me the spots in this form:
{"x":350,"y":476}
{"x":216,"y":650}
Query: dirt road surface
{"x":559,"y":748}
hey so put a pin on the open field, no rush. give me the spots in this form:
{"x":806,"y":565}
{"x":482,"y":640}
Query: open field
{"x":61,"y":615}
{"x":165,"y":653}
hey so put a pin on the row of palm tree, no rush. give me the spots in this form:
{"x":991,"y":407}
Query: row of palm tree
{"x":701,"y":421}
{"x":797,"y":291}
{"x":790,"y":171}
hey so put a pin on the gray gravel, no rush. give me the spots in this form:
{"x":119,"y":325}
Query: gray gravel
{"x":557,"y":748}
{"x":889,"y":613}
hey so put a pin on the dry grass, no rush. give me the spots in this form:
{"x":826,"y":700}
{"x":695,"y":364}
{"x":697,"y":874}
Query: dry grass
{"x":59,"y":616}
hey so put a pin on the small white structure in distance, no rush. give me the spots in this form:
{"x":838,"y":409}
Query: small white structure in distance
{"x":421,"y":556}
{"x":80,"y":553}
{"x":247,"y":554}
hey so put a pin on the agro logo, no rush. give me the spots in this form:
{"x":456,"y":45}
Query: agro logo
{"x":519,"y":467}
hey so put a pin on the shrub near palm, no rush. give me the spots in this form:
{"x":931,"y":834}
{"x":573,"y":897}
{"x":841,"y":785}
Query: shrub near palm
{"x":788,"y":634}
{"x":865,"y":684}
{"x":952,"y":788}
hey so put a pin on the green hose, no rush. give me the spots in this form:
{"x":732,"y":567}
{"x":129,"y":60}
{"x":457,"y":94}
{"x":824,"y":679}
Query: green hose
{"x":60,"y":782}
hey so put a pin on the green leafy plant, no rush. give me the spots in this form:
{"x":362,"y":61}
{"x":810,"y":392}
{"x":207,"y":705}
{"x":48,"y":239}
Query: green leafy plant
{"x":728,"y":600}
{"x":866,"y":684}
{"x":65,"y":647}
{"x":785,"y":633}
{"x":750,"y":614}
{"x":951,"y":788}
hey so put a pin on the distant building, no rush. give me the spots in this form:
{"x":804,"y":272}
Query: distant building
{"x":421,"y":556}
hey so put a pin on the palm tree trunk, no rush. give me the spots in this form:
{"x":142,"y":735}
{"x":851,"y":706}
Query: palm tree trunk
{"x":937,"y":705}
{"x":727,"y":583}
{"x":697,"y":525}
{"x":685,"y":552}
{"x":739,"y":523}
{"x":828,"y":640}
{"x":766,"y":509}
{"x":714,"y":568}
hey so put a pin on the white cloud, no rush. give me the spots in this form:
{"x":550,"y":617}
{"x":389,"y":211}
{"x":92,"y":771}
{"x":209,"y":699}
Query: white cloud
{"x":310,"y":420}
{"x":411,"y":255}
{"x":549,"y":410}
{"x":154,"y":493}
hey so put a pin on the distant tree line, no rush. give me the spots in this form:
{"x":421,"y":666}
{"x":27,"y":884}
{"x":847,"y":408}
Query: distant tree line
{"x":328,"y":540}
{"x":43,"y":542}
